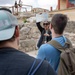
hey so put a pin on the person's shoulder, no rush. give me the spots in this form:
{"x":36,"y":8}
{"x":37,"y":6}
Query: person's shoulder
{"x":20,"y":56}
{"x":45,"y":64}
{"x":46,"y":45}
{"x":45,"y":68}
{"x":23,"y":55}
{"x":46,"y":48}
{"x":25,"y":62}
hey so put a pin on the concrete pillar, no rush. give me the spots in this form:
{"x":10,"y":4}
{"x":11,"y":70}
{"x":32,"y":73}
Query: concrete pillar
{"x":31,"y":7}
{"x":67,"y":3}
{"x":13,"y":9}
{"x":58,"y":4}
{"x":17,"y":10}
{"x":26,"y":9}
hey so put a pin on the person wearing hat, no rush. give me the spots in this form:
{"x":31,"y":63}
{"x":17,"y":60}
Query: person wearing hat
{"x":45,"y":33}
{"x":12,"y":60}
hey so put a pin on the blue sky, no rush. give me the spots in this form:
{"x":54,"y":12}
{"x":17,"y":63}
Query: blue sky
{"x":35,"y":3}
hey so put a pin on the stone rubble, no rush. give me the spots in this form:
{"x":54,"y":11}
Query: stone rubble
{"x":29,"y":35}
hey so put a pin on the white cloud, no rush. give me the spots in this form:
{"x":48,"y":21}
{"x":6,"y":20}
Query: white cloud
{"x":41,"y":3}
{"x":28,"y":2}
{"x":47,"y":3}
{"x":35,"y":3}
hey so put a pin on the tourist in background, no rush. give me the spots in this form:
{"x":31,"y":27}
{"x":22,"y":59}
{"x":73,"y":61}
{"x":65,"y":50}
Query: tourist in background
{"x":45,"y":33}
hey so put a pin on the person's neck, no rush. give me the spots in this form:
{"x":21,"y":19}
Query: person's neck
{"x":54,"y":35}
{"x":10,"y":44}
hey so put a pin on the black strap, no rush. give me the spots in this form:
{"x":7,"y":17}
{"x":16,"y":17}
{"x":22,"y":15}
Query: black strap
{"x":37,"y":67}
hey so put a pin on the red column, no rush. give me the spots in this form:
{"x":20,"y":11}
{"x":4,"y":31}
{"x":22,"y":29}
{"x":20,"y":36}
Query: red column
{"x":67,"y":3}
{"x":50,"y":8}
{"x":58,"y":4}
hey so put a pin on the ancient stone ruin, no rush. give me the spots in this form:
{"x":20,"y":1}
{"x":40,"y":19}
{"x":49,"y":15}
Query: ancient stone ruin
{"x":29,"y":35}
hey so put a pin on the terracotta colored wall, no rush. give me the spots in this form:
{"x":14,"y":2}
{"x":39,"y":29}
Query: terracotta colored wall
{"x":69,"y":12}
{"x":71,"y":5}
{"x":63,"y":4}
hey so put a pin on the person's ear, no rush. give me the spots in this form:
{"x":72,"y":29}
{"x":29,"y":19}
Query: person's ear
{"x":17,"y":31}
{"x":50,"y":26}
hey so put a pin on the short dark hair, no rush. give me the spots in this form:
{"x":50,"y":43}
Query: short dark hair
{"x":59,"y":22}
{"x":6,"y":9}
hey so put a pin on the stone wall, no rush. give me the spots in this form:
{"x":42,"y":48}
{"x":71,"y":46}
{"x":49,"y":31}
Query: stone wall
{"x":29,"y":35}
{"x":70,"y":31}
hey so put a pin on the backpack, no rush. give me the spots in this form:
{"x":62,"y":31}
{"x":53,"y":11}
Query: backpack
{"x":67,"y":57}
{"x":31,"y":71}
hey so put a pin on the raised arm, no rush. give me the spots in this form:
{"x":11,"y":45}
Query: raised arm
{"x":39,"y":27}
